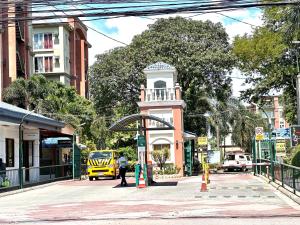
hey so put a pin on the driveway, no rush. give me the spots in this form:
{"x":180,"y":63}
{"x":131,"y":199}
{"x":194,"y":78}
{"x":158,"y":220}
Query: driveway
{"x":88,"y":202}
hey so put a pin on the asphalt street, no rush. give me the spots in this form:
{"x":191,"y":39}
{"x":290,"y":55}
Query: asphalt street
{"x":177,"y":201}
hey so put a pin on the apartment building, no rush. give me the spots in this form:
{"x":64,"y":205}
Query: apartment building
{"x":274,"y":108}
{"x":15,"y":43}
{"x":60,"y":52}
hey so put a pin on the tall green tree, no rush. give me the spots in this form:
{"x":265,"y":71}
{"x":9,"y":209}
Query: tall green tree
{"x":199,"y":50}
{"x":54,"y":100}
{"x":268,"y":56}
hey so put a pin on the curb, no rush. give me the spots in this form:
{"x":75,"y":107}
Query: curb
{"x":166,"y":176}
{"x":3,"y":194}
{"x":284,"y":191}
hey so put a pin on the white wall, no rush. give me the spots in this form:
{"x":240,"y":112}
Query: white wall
{"x":167,"y":77}
{"x":165,"y":138}
{"x":12,"y":132}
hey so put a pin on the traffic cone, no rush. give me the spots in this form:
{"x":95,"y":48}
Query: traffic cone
{"x":203,"y":184}
{"x":142,"y":183}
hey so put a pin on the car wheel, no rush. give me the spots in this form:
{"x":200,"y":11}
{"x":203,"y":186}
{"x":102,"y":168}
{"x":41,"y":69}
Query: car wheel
{"x":91,"y":178}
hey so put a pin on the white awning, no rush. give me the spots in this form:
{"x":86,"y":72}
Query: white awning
{"x":189,"y":136}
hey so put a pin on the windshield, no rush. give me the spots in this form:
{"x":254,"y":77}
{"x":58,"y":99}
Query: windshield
{"x":230,"y":157}
{"x":100,"y":155}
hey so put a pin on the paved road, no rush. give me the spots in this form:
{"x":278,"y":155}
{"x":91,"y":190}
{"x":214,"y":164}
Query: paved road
{"x":174,"y":201}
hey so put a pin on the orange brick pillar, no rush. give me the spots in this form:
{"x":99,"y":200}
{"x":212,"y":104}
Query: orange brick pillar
{"x":178,"y":132}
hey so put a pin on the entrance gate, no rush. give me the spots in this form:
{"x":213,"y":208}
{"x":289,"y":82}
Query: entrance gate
{"x":124,"y":125}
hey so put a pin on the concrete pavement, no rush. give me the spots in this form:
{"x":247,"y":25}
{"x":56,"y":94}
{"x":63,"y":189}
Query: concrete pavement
{"x":240,"y":196}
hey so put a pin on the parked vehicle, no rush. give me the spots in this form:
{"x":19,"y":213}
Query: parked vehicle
{"x":249,"y":162}
{"x":237,"y":161}
{"x":102,"y":163}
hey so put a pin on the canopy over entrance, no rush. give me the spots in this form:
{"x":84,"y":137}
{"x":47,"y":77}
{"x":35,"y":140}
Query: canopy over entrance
{"x":123,"y":124}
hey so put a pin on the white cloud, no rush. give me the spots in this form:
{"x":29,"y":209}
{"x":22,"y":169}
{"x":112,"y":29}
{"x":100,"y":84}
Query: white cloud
{"x":127,"y":28}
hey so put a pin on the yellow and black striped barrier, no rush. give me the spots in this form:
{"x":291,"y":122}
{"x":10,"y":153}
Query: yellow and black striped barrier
{"x":99,"y":162}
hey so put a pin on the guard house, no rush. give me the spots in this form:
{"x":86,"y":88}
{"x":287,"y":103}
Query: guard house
{"x":162,"y":98}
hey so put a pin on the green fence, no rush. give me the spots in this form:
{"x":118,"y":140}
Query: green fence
{"x":287,"y":176}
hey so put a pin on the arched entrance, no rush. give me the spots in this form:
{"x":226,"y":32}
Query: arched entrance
{"x":144,"y":125}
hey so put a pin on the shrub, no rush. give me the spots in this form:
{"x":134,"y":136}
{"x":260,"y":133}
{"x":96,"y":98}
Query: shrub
{"x":161,"y":156}
{"x":296,"y":158}
{"x":169,"y":168}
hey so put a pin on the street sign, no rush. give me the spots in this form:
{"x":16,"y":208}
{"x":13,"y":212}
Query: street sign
{"x":259,"y":133}
{"x":141,"y":141}
{"x":259,"y":137}
{"x":280,"y":145}
{"x":141,"y":149}
{"x":202,"y":141}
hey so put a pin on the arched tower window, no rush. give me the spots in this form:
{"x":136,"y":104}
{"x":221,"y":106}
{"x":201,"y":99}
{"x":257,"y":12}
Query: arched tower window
{"x":160,"y":89}
{"x":160,"y":84}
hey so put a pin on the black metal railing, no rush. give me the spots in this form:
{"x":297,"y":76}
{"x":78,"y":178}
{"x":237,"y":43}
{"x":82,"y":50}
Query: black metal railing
{"x":287,"y":176}
{"x":9,"y":179}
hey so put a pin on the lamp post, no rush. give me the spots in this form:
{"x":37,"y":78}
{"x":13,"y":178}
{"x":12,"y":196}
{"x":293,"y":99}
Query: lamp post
{"x":73,"y":149}
{"x":253,"y":146}
{"x":272,"y":154}
{"x":298,"y":83}
{"x":21,"y":149}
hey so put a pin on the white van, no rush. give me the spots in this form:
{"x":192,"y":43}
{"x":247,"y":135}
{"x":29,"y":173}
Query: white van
{"x":237,"y":161}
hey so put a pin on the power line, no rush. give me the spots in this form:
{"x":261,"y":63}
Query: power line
{"x":192,"y":7}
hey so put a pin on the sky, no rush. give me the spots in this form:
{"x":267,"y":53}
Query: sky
{"x":124,"y":29}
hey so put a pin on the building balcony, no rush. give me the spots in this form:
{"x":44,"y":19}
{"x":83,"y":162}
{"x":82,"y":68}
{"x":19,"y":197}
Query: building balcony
{"x":161,"y":97}
{"x":159,"y":94}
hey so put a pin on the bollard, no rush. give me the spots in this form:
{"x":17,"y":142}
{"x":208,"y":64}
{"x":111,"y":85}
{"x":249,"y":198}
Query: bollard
{"x":267,"y":167}
{"x":203,"y":184}
{"x":156,"y":174}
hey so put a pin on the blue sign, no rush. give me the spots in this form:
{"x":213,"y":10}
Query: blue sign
{"x":282,"y":133}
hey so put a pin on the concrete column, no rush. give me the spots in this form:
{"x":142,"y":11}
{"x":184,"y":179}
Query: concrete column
{"x":178,"y":139}
{"x":12,"y":64}
{"x":142,"y":96}
{"x":177,"y":92}
{"x":82,"y":72}
{"x":1,"y":63}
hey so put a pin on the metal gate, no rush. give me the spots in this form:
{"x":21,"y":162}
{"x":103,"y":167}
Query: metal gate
{"x":188,"y":159}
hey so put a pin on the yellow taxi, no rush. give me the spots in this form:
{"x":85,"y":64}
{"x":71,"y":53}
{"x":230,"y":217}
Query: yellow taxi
{"x":102,"y":163}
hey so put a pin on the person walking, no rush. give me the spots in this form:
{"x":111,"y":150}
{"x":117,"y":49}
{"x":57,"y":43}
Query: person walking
{"x":122,"y":161}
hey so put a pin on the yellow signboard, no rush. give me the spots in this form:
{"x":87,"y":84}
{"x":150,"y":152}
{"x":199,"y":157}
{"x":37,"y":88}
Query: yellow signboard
{"x":259,"y":137}
{"x":280,"y":146}
{"x":202,"y":141}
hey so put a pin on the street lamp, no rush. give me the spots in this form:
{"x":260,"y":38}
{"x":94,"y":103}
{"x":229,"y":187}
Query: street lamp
{"x":298,"y":83}
{"x":272,"y":154}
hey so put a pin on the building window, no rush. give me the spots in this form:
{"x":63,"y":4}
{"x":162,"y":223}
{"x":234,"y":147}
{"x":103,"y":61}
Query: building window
{"x":56,"y":39}
{"x":56,"y":63}
{"x":42,"y":41}
{"x":161,"y":146}
{"x":43,"y":64}
{"x":10,"y":152}
{"x":38,"y":65}
{"x":157,"y":147}
{"x":281,"y":124}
